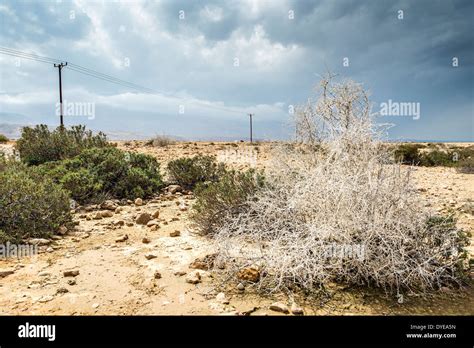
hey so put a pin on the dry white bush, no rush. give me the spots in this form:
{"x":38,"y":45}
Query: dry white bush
{"x":339,"y":211}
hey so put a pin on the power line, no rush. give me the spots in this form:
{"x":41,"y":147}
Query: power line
{"x":11,"y":50}
{"x":27,"y":57}
{"x":123,"y":84}
{"x":101,"y":76}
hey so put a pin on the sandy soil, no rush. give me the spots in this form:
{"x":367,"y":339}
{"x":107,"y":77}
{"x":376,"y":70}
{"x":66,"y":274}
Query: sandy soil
{"x":135,"y":278}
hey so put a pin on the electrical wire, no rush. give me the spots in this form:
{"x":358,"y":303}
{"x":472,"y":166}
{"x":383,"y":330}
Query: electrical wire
{"x":104,"y":77}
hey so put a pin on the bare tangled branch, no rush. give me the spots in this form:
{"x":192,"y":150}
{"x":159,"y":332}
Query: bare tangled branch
{"x":339,"y":211}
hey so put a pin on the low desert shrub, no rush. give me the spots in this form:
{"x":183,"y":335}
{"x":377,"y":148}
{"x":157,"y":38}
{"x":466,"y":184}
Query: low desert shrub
{"x":437,"y":158}
{"x":188,"y":172}
{"x":228,"y":196}
{"x":39,"y":145}
{"x":100,"y":172}
{"x":434,"y":155}
{"x":408,"y":154}
{"x":30,"y":206}
{"x":3,"y":138}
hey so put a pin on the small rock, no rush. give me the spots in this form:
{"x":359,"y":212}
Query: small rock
{"x":175,"y":233}
{"x":146,"y":240}
{"x":71,"y":273}
{"x":62,"y":230}
{"x":153,"y":223}
{"x":179,"y":273}
{"x":46,"y":298}
{"x":221,"y":298}
{"x":150,"y":256}
{"x":107,"y":213}
{"x":204,"y":263}
{"x":119,"y":223}
{"x":6,"y":272}
{"x":138,"y":202}
{"x":143,"y":219}
{"x":240,"y":287}
{"x":157,"y":275}
{"x":193,"y":277}
{"x":156,"y":214}
{"x":97,"y":216}
{"x":118,"y":210}
{"x":279,"y":307}
{"x":62,"y":291}
{"x":39,"y":241}
{"x":95,"y":305}
{"x":129,"y":224}
{"x":251,"y":274}
{"x":296,"y":310}
{"x":174,"y":188}
{"x":121,"y":239}
{"x":109,"y":205}
{"x":71,"y":282}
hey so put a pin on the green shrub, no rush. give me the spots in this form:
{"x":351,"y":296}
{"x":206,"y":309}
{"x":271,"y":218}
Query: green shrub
{"x":39,"y":145}
{"x":435,"y":155}
{"x":30,"y":206}
{"x":408,"y":153}
{"x":228,"y":195}
{"x":188,"y":172}
{"x":437,"y":158}
{"x":3,"y":138}
{"x":100,"y":172}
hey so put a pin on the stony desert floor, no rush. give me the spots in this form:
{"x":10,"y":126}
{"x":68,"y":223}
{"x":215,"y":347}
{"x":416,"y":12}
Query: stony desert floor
{"x":110,"y":264}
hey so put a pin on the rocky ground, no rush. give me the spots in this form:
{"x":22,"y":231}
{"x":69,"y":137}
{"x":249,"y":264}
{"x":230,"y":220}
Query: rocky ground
{"x":142,"y":258}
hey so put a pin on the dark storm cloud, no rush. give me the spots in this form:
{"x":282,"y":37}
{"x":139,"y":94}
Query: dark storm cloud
{"x":407,"y":59}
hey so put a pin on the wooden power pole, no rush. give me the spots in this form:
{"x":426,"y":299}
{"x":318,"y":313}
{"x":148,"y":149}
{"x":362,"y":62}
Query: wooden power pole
{"x":60,"y":67}
{"x":251,"y":140}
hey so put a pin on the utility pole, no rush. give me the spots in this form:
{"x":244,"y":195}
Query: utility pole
{"x":250,"y":115}
{"x":60,"y":66}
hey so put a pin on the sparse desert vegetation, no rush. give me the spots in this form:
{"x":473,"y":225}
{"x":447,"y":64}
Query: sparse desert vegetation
{"x":335,"y":222}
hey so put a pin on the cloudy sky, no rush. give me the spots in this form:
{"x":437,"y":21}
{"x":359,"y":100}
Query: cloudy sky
{"x":210,"y":63}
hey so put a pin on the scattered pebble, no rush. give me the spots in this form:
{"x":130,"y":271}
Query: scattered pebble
{"x":138,"y":202}
{"x":279,"y":307}
{"x":193,"y":277}
{"x":175,"y":233}
{"x":71,"y":273}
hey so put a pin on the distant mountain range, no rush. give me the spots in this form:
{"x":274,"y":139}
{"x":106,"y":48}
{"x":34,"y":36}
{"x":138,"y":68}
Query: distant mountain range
{"x":11,"y":124}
